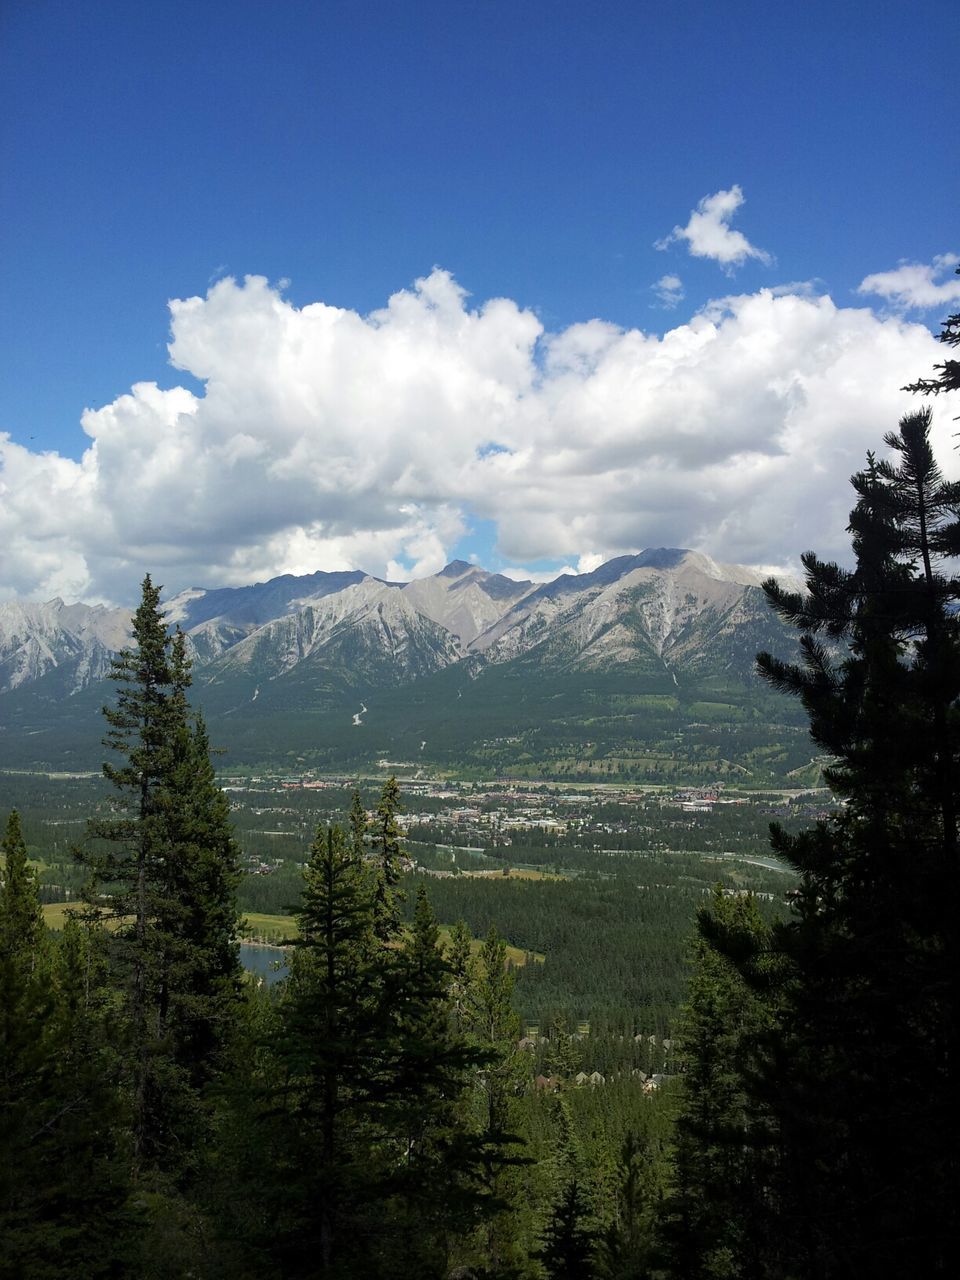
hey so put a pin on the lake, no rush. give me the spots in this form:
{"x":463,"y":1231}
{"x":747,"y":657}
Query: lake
{"x":262,"y":961}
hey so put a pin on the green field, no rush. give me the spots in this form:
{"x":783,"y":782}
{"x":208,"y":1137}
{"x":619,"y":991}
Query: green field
{"x":260,"y":927}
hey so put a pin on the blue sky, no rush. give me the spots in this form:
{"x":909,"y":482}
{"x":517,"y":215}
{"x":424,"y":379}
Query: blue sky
{"x":536,"y":152}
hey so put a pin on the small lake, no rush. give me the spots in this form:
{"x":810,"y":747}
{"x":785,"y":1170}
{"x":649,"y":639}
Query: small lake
{"x":263,"y":961}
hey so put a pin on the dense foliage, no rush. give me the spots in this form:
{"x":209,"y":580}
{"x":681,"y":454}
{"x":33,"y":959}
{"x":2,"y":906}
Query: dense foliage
{"x":845,"y":1079}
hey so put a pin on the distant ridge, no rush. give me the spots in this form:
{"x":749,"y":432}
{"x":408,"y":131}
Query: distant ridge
{"x":460,"y":658}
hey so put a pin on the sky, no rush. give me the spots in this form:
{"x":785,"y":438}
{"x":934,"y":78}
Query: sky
{"x":353,"y":284}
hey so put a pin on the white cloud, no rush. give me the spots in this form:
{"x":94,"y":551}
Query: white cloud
{"x":708,"y":233}
{"x":915,"y":286}
{"x":324,"y":439}
{"x":518,"y":574}
{"x":669,"y":291}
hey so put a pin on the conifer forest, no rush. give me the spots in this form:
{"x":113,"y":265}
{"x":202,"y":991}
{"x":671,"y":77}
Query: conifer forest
{"x":604,"y":1065}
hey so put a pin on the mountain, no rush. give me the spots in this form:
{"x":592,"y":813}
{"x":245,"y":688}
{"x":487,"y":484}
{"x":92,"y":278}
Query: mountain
{"x":658,"y":602}
{"x":642,"y":668}
{"x":75,"y":641}
{"x":371,"y":628}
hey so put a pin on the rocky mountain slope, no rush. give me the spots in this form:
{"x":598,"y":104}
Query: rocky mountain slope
{"x":459,"y":658}
{"x":75,"y":641}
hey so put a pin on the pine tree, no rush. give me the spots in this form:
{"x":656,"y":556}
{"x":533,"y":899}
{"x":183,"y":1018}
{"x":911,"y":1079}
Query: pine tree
{"x":127,"y":856}
{"x":717,"y":1206}
{"x":164,"y":871}
{"x":860,"y":1069}
{"x":200,"y":917}
{"x":440,"y":1180}
{"x":461,"y":974}
{"x":385,"y":841}
{"x":333,"y":1083}
{"x":359,"y":826}
{"x":493,"y":1024}
{"x":87,"y":1178}
{"x":61,"y":1179}
{"x":628,"y":1249}
{"x":569,"y":1240}
{"x":26,"y":1039}
{"x":21,"y":920}
{"x":949,"y":375}
{"x":564,"y":1058}
{"x":375,"y":1169}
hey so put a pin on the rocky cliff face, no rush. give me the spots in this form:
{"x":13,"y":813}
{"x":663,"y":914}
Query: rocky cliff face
{"x":679,"y":607}
{"x":643,"y":668}
{"x":75,"y":641}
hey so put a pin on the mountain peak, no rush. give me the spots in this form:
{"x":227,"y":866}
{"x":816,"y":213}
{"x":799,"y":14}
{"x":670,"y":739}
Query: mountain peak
{"x":660,"y":558}
{"x":455,"y":569}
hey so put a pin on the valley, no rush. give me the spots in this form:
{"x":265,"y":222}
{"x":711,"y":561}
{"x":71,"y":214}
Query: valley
{"x":554,"y":866}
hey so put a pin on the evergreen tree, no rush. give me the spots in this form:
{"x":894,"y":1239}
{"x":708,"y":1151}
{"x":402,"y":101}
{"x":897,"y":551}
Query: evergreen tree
{"x":374,"y":1168}
{"x":493,"y":1018}
{"x":87,"y":1175}
{"x":461,"y":974}
{"x":26,"y":1041}
{"x":569,"y":1241}
{"x":199,"y":916}
{"x":860,"y":1069}
{"x":385,"y":841}
{"x":164,"y":872}
{"x":61,"y":1181}
{"x":492,"y":1023}
{"x":440,"y":1178}
{"x":627,"y":1250}
{"x":21,"y":920}
{"x":949,"y":375}
{"x":717,"y":1208}
{"x":334,"y":1084}
{"x":127,"y":858}
{"x":563,"y":1056}
{"x":359,"y":826}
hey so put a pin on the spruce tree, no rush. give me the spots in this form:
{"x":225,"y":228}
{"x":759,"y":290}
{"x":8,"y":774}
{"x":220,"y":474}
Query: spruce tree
{"x":62,"y":1187}
{"x":200,"y":917}
{"x":375,"y":1168}
{"x":333,"y":1083}
{"x":563,"y":1056}
{"x":568,"y":1247}
{"x":627,"y":1250}
{"x":385,"y":839}
{"x":461,"y":974}
{"x":359,"y":826}
{"x":492,"y":1023}
{"x":440,"y":1180}
{"x":163,"y":872}
{"x":127,"y":858}
{"x":21,"y":919}
{"x":717,"y":1207}
{"x":27,"y":1039}
{"x":860,"y":1068}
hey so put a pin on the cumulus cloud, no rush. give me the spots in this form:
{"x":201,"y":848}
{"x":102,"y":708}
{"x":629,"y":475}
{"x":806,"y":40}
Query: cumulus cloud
{"x":325,"y":439}
{"x":708,"y":233}
{"x":669,"y":291}
{"x":915,"y":286}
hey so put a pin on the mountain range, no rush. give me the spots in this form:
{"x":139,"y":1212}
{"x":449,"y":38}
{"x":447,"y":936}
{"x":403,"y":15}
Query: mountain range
{"x":642,"y":668}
